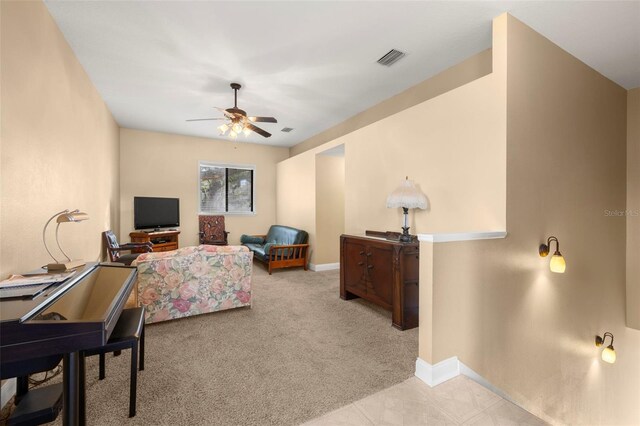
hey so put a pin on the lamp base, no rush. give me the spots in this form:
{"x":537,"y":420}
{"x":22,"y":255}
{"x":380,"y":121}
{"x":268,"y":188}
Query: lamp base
{"x":72,"y":264}
{"x":405,"y":237}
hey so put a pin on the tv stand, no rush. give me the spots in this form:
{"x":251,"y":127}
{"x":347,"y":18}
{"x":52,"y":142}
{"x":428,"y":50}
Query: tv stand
{"x":161,"y":240}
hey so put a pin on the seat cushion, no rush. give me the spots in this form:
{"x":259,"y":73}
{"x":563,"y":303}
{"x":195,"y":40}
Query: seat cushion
{"x":129,"y":325}
{"x":257,"y":249}
{"x":127,"y":332}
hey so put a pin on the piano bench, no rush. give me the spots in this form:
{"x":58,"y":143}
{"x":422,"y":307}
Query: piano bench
{"x":38,"y":406}
{"x":127,"y":334}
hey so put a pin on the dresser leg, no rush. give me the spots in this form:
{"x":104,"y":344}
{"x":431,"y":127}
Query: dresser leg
{"x":345,"y":295}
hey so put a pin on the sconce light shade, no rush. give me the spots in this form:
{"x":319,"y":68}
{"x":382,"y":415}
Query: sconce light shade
{"x":557,"y":264}
{"x":608,"y":354}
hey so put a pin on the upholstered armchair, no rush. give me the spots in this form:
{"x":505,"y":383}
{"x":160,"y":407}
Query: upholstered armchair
{"x":212,"y":230}
{"x":115,"y":250}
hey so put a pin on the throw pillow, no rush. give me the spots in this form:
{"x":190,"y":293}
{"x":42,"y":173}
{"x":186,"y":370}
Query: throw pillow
{"x":250,"y":239}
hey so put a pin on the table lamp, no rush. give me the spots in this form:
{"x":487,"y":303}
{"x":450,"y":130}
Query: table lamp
{"x":63,"y":216}
{"x":407,"y":196}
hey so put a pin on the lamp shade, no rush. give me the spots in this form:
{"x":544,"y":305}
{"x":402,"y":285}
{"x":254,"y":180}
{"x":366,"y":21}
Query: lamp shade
{"x":609,"y":354}
{"x":557,"y":264}
{"x":74,"y":216}
{"x":407,"y":195}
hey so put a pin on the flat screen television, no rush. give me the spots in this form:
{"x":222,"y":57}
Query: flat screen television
{"x":155,"y":212}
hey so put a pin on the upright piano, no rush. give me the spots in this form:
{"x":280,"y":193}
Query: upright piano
{"x":77,"y":314}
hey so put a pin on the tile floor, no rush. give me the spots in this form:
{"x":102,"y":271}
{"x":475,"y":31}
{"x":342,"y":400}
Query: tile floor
{"x":412,"y":403}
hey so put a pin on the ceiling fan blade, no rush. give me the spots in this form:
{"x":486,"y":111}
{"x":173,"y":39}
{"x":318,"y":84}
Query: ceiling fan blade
{"x":263,"y":119}
{"x":204,"y":119}
{"x":258,"y":130}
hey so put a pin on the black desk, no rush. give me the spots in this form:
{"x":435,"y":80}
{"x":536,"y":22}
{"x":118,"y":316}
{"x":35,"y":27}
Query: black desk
{"x":77,"y":314}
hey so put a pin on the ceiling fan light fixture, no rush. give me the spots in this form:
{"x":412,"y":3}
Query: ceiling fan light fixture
{"x":237,"y":127}
{"x":236,"y":120}
{"x":223,"y":128}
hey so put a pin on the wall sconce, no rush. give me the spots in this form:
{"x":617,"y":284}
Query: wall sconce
{"x":63,"y":216}
{"x":608,"y":354}
{"x":557,"y":263}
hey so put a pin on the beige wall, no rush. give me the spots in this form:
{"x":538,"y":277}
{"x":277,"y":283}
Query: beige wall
{"x":165,"y":165}
{"x":59,"y":143}
{"x":453,"y":145}
{"x":633,"y":208}
{"x":456,"y":76}
{"x":526,"y":330}
{"x":296,"y":196}
{"x":329,"y":208}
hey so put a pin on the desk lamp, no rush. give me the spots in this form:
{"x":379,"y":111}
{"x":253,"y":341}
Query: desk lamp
{"x":63,"y":216}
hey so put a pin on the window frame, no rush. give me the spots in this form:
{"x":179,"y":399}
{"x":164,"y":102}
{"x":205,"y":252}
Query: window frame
{"x":227,"y":166}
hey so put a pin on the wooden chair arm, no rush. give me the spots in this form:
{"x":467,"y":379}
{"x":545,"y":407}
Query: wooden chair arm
{"x":133,"y":246}
{"x":287,"y":255}
{"x":290,"y":246}
{"x":122,"y":248}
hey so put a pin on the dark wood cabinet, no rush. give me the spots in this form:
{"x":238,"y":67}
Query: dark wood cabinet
{"x":383,"y":272}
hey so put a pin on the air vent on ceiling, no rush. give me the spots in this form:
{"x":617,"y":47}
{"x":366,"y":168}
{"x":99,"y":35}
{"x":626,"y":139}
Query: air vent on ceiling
{"x":286,"y":129}
{"x":391,"y":57}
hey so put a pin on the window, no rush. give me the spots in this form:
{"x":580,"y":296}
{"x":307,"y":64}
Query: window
{"x":226,"y":188}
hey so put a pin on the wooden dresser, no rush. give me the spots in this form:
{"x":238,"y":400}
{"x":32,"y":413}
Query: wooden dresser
{"x":383,"y":272}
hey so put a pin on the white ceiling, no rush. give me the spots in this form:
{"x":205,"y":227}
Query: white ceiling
{"x":309,"y":64}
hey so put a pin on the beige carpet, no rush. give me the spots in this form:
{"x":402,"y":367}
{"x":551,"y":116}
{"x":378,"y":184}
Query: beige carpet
{"x":299,"y":352}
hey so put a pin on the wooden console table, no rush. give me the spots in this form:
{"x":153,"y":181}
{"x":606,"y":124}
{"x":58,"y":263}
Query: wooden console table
{"x":383,"y":272}
{"x":161,"y":240}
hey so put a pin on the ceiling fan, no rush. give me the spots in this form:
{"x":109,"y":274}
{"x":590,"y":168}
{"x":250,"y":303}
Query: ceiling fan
{"x":237,"y":121}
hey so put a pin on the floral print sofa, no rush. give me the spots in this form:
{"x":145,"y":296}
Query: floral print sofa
{"x":193,"y":280}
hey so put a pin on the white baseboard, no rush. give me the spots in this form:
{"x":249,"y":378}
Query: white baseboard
{"x":324,"y":267}
{"x":435,"y":374}
{"x":7,"y":392}
{"x":438,"y":373}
